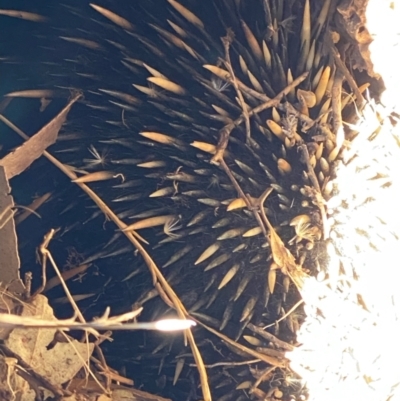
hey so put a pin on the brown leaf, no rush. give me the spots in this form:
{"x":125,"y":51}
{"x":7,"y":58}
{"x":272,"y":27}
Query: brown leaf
{"x":18,"y":161}
{"x":9,"y":260}
{"x":57,"y":364}
{"x":280,"y":254}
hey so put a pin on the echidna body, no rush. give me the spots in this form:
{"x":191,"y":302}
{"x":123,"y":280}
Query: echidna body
{"x":159,"y":91}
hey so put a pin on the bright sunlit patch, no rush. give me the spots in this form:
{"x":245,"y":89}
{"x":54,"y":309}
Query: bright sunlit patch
{"x":350,"y":337}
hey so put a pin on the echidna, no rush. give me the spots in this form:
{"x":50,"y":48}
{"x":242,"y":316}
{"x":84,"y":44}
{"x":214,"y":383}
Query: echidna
{"x":214,"y":125}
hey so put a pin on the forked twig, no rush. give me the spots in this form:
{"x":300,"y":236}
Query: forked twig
{"x":226,"y":131}
{"x":47,"y":255}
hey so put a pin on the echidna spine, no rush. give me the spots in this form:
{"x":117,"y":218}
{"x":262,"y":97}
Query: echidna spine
{"x":162,"y":95}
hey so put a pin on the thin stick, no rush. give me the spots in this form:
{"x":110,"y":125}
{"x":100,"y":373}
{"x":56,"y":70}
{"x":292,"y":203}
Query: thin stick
{"x":337,"y":108}
{"x":227,"y":40}
{"x":270,"y":337}
{"x":292,"y":309}
{"x":240,"y":192}
{"x":342,"y":67}
{"x":215,"y":365}
{"x":47,"y":255}
{"x":263,"y":377}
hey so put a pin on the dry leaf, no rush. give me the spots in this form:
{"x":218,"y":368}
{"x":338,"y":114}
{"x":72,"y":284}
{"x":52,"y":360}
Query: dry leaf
{"x":58,"y":363}
{"x":7,"y":305}
{"x":281,"y":255}
{"x":9,"y":260}
{"x":18,"y":161}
